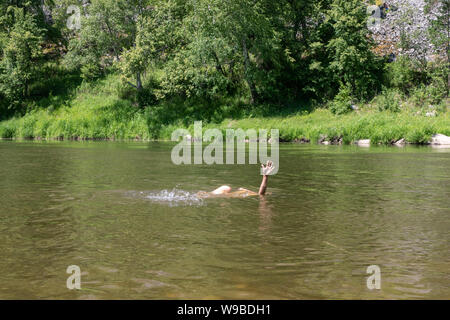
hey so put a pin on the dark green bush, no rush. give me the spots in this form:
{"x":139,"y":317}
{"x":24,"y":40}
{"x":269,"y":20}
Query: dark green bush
{"x":146,"y":97}
{"x":401,"y":74}
{"x":438,"y":86}
{"x":157,"y":116}
{"x":342,"y":102}
{"x":91,"y":71}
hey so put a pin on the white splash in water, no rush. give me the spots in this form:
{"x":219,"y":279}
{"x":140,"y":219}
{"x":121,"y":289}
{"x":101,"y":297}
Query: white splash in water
{"x":174,"y":197}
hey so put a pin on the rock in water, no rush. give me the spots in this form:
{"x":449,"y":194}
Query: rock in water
{"x":440,"y":139}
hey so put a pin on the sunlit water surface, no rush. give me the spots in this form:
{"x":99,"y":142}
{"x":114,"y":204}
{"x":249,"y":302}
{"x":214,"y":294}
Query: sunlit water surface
{"x":131,"y":220}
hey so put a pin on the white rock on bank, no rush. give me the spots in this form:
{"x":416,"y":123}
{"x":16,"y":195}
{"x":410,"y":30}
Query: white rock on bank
{"x":440,"y":139}
{"x":363,"y":142}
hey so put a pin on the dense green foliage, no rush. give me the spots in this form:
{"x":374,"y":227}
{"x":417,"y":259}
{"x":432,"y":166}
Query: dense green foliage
{"x":137,"y":67}
{"x":21,"y":54}
{"x":97,"y":112}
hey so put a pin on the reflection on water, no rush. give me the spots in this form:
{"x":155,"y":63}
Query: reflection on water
{"x":133,"y":223}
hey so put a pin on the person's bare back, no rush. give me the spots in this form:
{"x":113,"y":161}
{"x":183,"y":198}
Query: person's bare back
{"x":226,"y":191}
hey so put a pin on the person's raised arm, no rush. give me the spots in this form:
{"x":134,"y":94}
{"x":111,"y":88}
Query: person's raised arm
{"x":266,"y":170}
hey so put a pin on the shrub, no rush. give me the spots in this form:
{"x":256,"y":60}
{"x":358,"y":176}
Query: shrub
{"x":424,"y":95}
{"x":145,"y":97}
{"x":155,"y":117}
{"x":91,"y":71}
{"x":389,"y":100}
{"x":342,"y":102}
{"x":438,"y":88}
{"x":401,"y":74}
{"x":8,"y":129}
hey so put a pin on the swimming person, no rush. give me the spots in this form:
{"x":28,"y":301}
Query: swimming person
{"x":242,"y":192}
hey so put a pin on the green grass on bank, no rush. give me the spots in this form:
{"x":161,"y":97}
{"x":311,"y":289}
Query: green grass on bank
{"x":120,"y":121}
{"x":381,"y":127}
{"x":97,"y":112}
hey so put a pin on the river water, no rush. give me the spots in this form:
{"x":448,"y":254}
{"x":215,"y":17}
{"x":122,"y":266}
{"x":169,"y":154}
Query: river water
{"x":131,"y":221}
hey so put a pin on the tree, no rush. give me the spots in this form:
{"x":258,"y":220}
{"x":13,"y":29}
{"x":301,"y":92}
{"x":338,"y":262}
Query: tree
{"x":306,"y":37}
{"x":157,"y":35}
{"x":108,"y":28}
{"x":21,"y":55}
{"x":229,"y":44}
{"x":351,"y":60}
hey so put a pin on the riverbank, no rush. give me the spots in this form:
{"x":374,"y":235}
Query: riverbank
{"x":321,"y":126}
{"x":98,"y":111}
{"x":120,"y":122}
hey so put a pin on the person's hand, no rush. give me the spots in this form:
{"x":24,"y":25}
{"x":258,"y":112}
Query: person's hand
{"x":267,"y":169}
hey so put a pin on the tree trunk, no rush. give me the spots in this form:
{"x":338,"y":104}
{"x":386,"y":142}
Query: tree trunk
{"x":249,"y":81}
{"x":138,"y":81}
